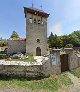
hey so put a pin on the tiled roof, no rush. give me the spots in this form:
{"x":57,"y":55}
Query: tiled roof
{"x":18,"y":39}
{"x":35,"y":10}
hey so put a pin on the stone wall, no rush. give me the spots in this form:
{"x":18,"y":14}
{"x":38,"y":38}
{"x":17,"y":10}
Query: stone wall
{"x":47,"y":67}
{"x":73,"y":59}
{"x":15,"y":46}
{"x":26,"y":70}
{"x":53,"y":65}
{"x":55,"y":61}
{"x":18,"y":70}
{"x":30,"y":70}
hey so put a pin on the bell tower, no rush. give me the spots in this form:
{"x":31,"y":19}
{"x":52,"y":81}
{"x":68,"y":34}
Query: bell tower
{"x":36,"y":31}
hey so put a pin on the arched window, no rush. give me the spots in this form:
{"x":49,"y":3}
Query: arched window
{"x":30,"y":20}
{"x":38,"y":40}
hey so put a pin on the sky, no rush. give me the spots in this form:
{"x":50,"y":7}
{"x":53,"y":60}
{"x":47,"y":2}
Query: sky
{"x":64,"y":16}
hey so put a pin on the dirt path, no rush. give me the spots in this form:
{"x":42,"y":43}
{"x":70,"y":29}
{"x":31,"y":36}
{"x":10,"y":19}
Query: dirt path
{"x":75,"y":87}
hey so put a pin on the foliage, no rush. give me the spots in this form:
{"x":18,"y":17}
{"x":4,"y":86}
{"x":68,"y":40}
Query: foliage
{"x":69,"y":46}
{"x":14,"y":35}
{"x":3,"y":43}
{"x":52,"y":40}
{"x":62,"y":41}
{"x":51,"y":84}
{"x":3,"y":56}
{"x":29,"y":58}
{"x":76,"y":72}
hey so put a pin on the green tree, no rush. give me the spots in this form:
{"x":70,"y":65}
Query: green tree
{"x":14,"y":35}
{"x":77,"y":33}
{"x":59,"y":41}
{"x":50,"y":40}
{"x":74,"y":39}
{"x":65,"y":39}
{"x":69,"y":46}
{"x":62,"y":41}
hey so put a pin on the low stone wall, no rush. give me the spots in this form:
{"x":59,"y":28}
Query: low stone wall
{"x":43,"y":69}
{"x":17,"y":70}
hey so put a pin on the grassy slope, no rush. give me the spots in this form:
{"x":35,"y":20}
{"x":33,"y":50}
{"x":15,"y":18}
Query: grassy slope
{"x":50,"y":84}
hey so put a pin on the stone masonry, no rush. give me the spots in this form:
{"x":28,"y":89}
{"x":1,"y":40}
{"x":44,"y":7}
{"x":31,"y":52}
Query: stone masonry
{"x":74,"y":58}
{"x":36,"y":29}
{"x":16,"y":45}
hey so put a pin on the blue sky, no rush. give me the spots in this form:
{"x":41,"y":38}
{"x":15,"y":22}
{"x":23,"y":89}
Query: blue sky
{"x":64,"y":16}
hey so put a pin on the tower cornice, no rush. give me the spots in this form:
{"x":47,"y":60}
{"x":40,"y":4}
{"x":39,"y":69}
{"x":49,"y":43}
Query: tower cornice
{"x":35,"y":11}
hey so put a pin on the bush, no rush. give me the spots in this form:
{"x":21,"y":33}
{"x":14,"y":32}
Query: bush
{"x":3,"y":56}
{"x":69,"y":46}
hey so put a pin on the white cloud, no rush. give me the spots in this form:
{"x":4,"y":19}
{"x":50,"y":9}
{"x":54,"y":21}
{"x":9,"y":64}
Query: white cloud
{"x":56,"y":28}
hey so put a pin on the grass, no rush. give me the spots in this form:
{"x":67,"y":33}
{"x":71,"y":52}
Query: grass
{"x":76,"y":72}
{"x":29,"y":59}
{"x":50,"y":84}
{"x":2,"y":56}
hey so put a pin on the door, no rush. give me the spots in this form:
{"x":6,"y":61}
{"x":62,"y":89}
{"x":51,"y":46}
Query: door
{"x":38,"y":51}
{"x":64,"y":62}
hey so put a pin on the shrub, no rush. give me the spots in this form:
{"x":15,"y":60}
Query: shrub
{"x":69,"y":46}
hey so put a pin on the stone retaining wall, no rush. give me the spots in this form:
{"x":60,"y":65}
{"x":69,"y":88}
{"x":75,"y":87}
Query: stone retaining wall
{"x":34,"y":70}
{"x":17,"y":70}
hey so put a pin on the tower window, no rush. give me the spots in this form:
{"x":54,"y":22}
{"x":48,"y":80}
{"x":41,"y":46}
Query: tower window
{"x":38,"y":21}
{"x":38,"y":40}
{"x":30,"y":20}
{"x":34,"y":20}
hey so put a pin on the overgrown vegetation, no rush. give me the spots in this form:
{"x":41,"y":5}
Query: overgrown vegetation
{"x":50,"y":84}
{"x":3,"y":56}
{"x":29,"y":58}
{"x":76,"y":72}
{"x":3,"y":43}
{"x":69,"y":46}
{"x":62,"y":41}
{"x":14,"y":35}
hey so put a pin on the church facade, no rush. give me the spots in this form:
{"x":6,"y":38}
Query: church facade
{"x":36,"y":31}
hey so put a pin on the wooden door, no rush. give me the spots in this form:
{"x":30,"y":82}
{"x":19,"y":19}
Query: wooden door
{"x":64,"y":62}
{"x":38,"y":51}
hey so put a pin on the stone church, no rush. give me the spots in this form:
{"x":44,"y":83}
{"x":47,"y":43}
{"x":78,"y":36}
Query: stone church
{"x":36,"y":33}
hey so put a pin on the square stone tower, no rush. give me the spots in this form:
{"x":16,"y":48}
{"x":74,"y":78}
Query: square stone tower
{"x":36,"y":31}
